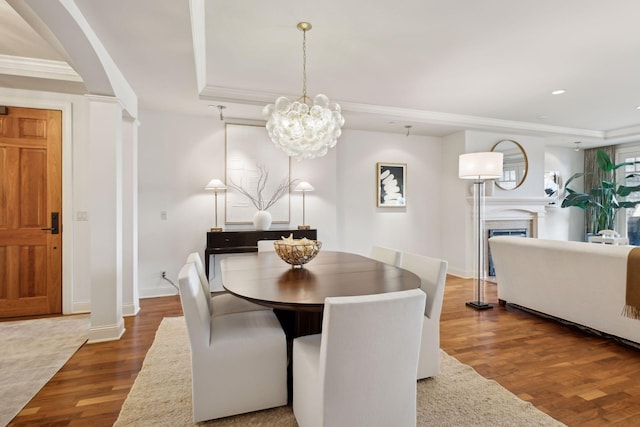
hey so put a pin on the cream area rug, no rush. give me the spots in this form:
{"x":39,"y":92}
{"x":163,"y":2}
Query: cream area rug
{"x":161,"y":394}
{"x":31,"y":352}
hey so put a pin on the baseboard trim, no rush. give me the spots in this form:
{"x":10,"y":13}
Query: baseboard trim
{"x":106,"y":333}
{"x":158,"y":292}
{"x":80,"y":307}
{"x":129,"y":310}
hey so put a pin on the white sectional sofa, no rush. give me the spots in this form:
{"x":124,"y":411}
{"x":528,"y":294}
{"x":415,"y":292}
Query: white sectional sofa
{"x":583,"y":283}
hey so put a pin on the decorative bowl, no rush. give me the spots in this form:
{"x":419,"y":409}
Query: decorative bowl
{"x":297,"y":252}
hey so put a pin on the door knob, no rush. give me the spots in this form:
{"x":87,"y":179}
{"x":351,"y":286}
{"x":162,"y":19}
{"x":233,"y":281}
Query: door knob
{"x":54,"y":224}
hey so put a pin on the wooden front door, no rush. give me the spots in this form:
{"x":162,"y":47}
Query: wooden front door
{"x":30,"y":200}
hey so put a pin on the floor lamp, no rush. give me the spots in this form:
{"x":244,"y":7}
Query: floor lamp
{"x":479,"y":167}
{"x":216,"y":185}
{"x":304,"y":186}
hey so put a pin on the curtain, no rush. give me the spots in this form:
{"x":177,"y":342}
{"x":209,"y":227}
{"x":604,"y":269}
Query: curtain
{"x":592,"y":178}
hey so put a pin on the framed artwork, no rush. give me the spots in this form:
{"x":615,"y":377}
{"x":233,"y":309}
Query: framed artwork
{"x":255,"y":164}
{"x":391,"y":183}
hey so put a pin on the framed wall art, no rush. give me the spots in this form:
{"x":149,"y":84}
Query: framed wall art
{"x":256,"y":165}
{"x":391,"y":185}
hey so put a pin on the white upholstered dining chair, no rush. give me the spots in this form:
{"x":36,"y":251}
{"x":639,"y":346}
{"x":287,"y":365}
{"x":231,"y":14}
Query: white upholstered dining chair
{"x":223,"y":303}
{"x":238,"y":360}
{"x":361,"y":370}
{"x":266,"y":246}
{"x":433,"y":275}
{"x":386,"y":255}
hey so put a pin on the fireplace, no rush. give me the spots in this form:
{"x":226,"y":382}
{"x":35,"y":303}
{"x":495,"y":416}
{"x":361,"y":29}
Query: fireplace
{"x":509,"y":214}
{"x":520,"y":232}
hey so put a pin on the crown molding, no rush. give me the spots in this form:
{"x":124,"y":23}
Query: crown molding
{"x":39,"y":68}
{"x":465,"y":121}
{"x":255,"y":97}
{"x":623,"y":135}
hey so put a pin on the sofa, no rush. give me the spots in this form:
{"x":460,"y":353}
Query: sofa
{"x":582,"y":283}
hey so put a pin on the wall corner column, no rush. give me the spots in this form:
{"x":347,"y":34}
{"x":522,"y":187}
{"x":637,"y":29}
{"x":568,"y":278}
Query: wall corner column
{"x":130,"y":295}
{"x":105,"y":217}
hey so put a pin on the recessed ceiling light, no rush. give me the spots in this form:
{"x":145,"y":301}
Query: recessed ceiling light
{"x":638,"y":107}
{"x":558,"y":92}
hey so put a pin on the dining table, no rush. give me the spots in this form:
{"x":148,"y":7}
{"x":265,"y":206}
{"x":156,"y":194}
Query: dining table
{"x":297,"y":294}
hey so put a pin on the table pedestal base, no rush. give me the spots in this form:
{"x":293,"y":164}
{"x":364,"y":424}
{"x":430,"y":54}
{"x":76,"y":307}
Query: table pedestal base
{"x":296,"y":324}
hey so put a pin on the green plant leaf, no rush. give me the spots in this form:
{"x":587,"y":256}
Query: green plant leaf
{"x":574,"y":176}
{"x":624,"y":190}
{"x":603,"y":161}
{"x":629,"y":204}
{"x":619,"y":165}
{"x":579,"y":200}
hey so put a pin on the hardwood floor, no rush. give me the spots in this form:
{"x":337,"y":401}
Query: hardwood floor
{"x":577,"y":378}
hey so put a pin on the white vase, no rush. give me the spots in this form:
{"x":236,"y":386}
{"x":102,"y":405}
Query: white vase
{"x":262,"y":220}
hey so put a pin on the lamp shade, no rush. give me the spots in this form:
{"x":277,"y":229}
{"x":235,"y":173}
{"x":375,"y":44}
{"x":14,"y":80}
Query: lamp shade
{"x":486,"y":165}
{"x":304,"y":186}
{"x":215,"y":184}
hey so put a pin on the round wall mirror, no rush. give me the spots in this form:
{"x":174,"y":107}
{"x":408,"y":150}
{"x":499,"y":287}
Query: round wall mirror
{"x":515,"y":164}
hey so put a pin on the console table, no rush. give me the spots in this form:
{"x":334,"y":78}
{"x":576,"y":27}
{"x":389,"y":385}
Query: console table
{"x":236,"y":242}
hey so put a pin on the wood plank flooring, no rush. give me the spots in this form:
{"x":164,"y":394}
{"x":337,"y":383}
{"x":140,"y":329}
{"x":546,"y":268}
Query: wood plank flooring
{"x":577,"y":378}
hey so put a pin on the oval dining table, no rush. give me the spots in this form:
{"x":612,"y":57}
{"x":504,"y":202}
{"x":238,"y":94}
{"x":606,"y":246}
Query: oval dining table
{"x":297,"y":294}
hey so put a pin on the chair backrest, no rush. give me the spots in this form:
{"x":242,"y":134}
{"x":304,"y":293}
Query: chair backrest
{"x":369,"y":358}
{"x":194,"y":307}
{"x":194,"y":258}
{"x":266,"y":246}
{"x":386,"y":255}
{"x":433,"y":274}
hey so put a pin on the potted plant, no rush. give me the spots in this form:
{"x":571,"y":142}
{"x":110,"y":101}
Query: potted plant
{"x":603,"y":201}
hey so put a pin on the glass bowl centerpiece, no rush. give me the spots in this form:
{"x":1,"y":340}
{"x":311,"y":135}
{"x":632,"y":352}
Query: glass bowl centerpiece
{"x":297,"y":252}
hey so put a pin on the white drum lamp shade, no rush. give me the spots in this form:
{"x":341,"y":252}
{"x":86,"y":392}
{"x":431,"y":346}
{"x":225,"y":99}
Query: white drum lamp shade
{"x":480,"y":166}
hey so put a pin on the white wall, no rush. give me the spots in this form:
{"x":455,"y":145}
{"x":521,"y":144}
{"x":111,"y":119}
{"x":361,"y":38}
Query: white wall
{"x":456,"y":235}
{"x":415,"y":228}
{"x":178,"y":155}
{"x":564,"y":223}
{"x":534,"y":147}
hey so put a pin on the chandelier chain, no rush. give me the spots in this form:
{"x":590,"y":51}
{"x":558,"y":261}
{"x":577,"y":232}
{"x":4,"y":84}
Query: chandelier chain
{"x":304,"y":66}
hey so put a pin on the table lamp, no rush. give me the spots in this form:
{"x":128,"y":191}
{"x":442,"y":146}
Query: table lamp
{"x":216,"y":185}
{"x":303,"y":186}
{"x":479,"y":167}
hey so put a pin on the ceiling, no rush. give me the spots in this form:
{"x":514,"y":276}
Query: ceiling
{"x":439,"y":66}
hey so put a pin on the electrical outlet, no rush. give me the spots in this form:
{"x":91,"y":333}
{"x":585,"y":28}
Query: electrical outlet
{"x":164,"y":274}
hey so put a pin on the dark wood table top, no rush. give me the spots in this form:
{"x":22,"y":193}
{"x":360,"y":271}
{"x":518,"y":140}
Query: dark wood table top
{"x":266,"y":279}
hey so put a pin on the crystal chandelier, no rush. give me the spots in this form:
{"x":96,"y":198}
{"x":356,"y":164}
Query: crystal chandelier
{"x":302,"y":129}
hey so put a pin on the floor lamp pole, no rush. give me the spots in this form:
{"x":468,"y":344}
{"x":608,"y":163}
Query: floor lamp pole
{"x":478,"y":193}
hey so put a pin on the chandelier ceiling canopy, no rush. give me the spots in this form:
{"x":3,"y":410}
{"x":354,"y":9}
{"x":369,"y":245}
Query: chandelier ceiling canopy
{"x":304,"y":129}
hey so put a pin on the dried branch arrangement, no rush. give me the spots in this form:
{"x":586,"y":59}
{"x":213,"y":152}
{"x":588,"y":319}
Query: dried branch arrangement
{"x":258,"y":200}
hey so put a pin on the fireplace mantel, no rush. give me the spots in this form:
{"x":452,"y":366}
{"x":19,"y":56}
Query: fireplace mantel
{"x":516,"y":209}
{"x":513,"y":207}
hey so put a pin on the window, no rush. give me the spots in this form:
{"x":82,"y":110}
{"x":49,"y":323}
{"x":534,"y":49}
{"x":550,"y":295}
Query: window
{"x":630,"y":218}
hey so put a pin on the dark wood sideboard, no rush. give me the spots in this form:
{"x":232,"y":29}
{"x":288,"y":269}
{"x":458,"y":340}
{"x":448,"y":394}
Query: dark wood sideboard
{"x":236,"y":242}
